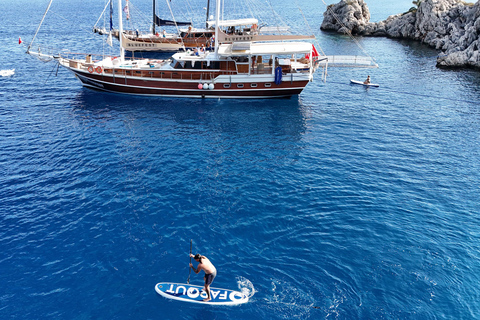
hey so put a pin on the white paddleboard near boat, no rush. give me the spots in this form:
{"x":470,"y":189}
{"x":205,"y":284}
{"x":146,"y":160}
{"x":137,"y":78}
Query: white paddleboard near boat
{"x":7,"y":73}
{"x":364,"y":84}
{"x":192,"y":293}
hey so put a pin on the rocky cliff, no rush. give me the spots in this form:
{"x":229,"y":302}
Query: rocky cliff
{"x":452,"y":26}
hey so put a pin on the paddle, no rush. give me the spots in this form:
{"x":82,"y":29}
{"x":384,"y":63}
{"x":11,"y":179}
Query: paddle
{"x":189,"y":268}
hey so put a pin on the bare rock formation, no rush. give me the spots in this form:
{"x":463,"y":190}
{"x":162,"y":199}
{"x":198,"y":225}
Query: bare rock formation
{"x":452,"y":26}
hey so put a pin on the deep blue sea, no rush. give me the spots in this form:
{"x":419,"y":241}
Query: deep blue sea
{"x":341,"y":203}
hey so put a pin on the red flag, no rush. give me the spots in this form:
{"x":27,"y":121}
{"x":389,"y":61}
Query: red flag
{"x":314,"y":53}
{"x":19,"y":40}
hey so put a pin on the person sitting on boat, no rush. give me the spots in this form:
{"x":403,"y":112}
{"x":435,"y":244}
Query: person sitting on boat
{"x":196,"y":51}
{"x":164,"y":33}
{"x":202,"y":49}
{"x":367,"y":81}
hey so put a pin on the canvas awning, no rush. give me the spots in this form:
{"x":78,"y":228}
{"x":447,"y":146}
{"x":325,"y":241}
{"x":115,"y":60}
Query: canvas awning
{"x":234,"y":23}
{"x":276,"y":48}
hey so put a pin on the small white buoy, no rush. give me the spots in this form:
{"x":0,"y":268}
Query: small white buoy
{"x":205,"y":86}
{"x":211,"y":86}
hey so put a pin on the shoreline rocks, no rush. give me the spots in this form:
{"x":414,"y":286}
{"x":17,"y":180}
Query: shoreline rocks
{"x":452,"y":26}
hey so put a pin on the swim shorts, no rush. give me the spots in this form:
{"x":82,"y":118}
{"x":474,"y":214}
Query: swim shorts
{"x":209,"y":277}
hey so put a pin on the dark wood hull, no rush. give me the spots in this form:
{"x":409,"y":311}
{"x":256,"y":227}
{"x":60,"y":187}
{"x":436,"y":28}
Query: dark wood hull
{"x":188,"y":88}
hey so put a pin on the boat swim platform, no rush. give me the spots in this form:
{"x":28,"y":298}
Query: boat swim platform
{"x":347,"y":61}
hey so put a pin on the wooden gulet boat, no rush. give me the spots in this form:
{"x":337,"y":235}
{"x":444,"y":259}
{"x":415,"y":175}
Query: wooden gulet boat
{"x":188,"y":38}
{"x":239,"y":69}
{"x":161,"y":41}
{"x":229,"y":73}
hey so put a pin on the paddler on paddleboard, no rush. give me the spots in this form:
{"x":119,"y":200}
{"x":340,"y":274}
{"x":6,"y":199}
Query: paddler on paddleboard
{"x":209,"y":269}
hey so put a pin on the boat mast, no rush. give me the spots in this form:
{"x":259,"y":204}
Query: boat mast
{"x":120,"y":30}
{"x":153,"y":29}
{"x":208,"y":13}
{"x":217,"y":27}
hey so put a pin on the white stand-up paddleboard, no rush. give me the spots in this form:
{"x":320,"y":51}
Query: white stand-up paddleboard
{"x":7,"y":73}
{"x":363,"y":84}
{"x":191,"y":293}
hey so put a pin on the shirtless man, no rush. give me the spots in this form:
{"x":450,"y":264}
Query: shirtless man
{"x":367,"y":81}
{"x":210,"y":271}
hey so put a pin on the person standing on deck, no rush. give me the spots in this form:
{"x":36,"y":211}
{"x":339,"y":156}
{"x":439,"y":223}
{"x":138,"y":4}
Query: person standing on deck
{"x":209,"y":269}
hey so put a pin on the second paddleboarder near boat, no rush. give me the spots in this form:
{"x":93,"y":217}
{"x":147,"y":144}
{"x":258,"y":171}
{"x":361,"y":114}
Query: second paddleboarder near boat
{"x":209,"y":269}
